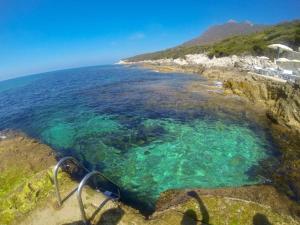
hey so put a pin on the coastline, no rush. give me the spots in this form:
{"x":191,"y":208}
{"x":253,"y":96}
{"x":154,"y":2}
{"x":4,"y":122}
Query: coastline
{"x":280,"y":103}
{"x":33,"y":200}
{"x":257,"y":89}
{"x":173,"y":204}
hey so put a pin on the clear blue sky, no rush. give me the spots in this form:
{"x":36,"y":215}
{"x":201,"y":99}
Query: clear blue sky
{"x":43,"y":35}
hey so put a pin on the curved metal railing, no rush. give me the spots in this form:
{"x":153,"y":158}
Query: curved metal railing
{"x":55,"y":173}
{"x":110,"y":195}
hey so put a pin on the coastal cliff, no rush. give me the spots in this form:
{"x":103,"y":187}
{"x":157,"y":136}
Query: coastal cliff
{"x":281,"y":99}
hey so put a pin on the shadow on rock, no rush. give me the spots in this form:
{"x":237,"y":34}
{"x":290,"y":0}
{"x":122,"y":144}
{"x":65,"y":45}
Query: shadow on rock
{"x":111,"y":217}
{"x":260,"y":219}
{"x":203,"y":209}
{"x":189,"y":218}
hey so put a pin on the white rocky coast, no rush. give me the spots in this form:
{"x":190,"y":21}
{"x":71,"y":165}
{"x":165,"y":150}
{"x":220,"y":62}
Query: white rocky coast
{"x":259,"y":65}
{"x":246,"y":62}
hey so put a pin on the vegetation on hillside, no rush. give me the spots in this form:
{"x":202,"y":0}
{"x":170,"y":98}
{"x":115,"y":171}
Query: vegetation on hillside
{"x":252,"y":44}
{"x":220,"y":32}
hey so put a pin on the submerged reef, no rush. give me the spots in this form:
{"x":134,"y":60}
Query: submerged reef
{"x":277,"y":103}
{"x":27,"y":197}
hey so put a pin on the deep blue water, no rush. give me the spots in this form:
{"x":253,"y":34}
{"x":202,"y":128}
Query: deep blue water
{"x":145,"y":130}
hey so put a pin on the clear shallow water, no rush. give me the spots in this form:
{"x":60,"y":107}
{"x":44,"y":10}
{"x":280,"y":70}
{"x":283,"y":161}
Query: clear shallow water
{"x":142,"y":129}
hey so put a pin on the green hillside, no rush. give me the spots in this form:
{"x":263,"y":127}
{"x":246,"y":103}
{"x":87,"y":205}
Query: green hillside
{"x":253,"y":44}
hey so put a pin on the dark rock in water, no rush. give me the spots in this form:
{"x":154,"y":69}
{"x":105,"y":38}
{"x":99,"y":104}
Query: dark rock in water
{"x":146,"y":152}
{"x":120,"y":142}
{"x":140,"y":136}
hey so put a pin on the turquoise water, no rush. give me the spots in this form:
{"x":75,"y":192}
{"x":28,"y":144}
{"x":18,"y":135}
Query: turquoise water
{"x":142,"y":129}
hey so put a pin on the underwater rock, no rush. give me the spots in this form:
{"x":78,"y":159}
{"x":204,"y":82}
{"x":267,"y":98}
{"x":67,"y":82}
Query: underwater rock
{"x":280,"y":104}
{"x":26,"y":189}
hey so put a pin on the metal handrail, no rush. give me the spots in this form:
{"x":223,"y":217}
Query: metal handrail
{"x":55,"y":173}
{"x":79,"y":191}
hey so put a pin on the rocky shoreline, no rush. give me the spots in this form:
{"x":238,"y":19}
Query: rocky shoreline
{"x":25,"y":195}
{"x":280,"y":99}
{"x":30,"y":197}
{"x":280,"y":102}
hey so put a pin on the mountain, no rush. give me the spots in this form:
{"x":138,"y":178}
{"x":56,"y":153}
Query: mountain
{"x":255,"y":43}
{"x":220,"y":32}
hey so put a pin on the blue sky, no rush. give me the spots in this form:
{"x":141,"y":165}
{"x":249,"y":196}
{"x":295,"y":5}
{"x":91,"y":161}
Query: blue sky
{"x":43,"y":35}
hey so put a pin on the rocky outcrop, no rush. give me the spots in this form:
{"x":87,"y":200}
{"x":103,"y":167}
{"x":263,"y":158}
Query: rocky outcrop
{"x":242,"y":62}
{"x":286,"y":108}
{"x":24,"y":175}
{"x":227,"y":206}
{"x":282,"y":100}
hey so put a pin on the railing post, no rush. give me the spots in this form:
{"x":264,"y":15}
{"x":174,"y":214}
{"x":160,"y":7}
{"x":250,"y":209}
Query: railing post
{"x":79,"y":192}
{"x":55,"y":173}
{"x":80,"y":186}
